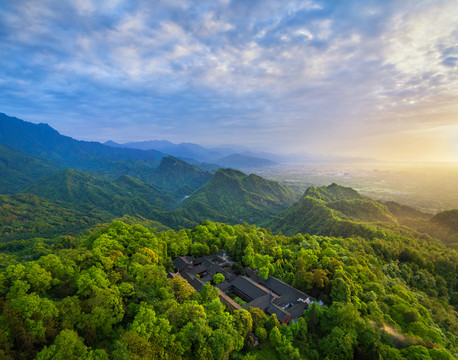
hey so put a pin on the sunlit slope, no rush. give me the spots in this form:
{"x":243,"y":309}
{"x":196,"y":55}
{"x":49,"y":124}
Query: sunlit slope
{"x":335,"y":210}
{"x":177,"y":176}
{"x":233,"y":197}
{"x":239,"y":197}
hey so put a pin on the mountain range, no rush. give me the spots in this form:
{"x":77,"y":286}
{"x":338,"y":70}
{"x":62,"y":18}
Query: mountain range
{"x":219,"y":157}
{"x":113,"y":181}
{"x":88,"y":233}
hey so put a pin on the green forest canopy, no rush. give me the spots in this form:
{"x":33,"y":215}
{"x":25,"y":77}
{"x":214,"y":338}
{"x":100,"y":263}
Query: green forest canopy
{"x":105,"y":295}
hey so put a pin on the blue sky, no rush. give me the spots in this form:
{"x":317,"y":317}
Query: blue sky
{"x":360,"y":78}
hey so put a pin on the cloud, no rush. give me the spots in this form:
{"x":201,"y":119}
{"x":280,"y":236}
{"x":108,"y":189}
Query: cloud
{"x":301,"y":73}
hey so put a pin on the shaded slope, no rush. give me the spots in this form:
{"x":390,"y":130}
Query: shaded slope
{"x":446,"y":227}
{"x":448,"y":219}
{"x":403,"y":212}
{"x":25,"y":216}
{"x":126,"y":195}
{"x":442,"y":226}
{"x":18,"y":169}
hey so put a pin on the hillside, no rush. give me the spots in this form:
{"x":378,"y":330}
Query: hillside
{"x":18,"y":169}
{"x":106,"y":295}
{"x":448,"y":219}
{"x":43,"y":141}
{"x":229,"y":196}
{"x":125,"y":195}
{"x":24,"y":216}
{"x":237,"y":197}
{"x":337,"y":211}
{"x":177,"y":177}
{"x":403,"y":212}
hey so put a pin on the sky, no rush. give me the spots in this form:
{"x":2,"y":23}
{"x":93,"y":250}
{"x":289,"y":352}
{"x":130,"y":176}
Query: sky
{"x":369,"y":78}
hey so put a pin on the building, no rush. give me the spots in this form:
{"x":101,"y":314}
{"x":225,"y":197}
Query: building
{"x":271,"y":295}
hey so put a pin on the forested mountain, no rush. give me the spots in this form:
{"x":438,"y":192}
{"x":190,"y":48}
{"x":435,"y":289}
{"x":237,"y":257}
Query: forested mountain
{"x":18,"y":169}
{"x":167,"y":185}
{"x":447,"y":230}
{"x":42,"y":141}
{"x":106,"y":295}
{"x":447,"y":218}
{"x":177,"y":176}
{"x":125,"y":195}
{"x":74,"y":286}
{"x":23,"y":216}
{"x":235,"y":197}
{"x":337,"y":211}
{"x":403,"y":212}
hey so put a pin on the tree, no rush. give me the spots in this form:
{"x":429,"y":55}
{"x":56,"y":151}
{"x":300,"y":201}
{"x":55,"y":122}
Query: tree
{"x":261,"y":333}
{"x":259,"y":317}
{"x":91,"y":280}
{"x":263,"y":273}
{"x":275,"y":337}
{"x":106,"y":309}
{"x":69,"y":346}
{"x":440,"y":354}
{"x":218,"y":278}
{"x":186,"y":312}
{"x":38,"y":278}
{"x":340,"y":290}
{"x":339,"y":344}
{"x":272,"y":322}
{"x":416,"y":352}
{"x":299,"y":329}
{"x":209,"y":293}
{"x":181,"y":288}
{"x":152,"y":327}
{"x":249,"y":256}
{"x":243,"y":321}
{"x":194,"y":335}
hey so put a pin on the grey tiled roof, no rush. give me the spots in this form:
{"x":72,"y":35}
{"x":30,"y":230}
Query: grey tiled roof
{"x":249,"y":287}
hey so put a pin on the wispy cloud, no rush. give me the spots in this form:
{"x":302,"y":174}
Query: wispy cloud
{"x":309,"y":75}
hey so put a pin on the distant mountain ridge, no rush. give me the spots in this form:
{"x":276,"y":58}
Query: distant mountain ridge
{"x":183,"y":150}
{"x":44,"y":142}
{"x":244,"y":161}
{"x":224,"y":157}
{"x":36,"y":159}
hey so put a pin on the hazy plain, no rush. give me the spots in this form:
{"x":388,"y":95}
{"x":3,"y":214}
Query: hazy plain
{"x":430,"y":188}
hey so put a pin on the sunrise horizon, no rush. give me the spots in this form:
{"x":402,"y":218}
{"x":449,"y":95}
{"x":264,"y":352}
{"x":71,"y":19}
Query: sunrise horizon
{"x":376,"y":80}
